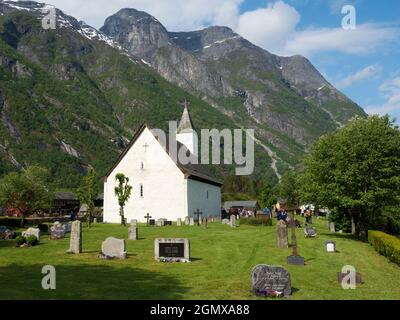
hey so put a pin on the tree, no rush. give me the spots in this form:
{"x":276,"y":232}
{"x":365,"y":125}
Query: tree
{"x":122,"y":192}
{"x":26,"y":191}
{"x":87,"y":193}
{"x":355,"y":170}
{"x":267,"y":196}
{"x":288,"y":189}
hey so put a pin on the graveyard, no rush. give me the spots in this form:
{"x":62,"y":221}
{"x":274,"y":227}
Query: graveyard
{"x":221,"y":261}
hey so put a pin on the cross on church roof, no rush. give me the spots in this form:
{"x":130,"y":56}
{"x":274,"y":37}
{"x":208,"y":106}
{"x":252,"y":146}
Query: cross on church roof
{"x":145,"y":146}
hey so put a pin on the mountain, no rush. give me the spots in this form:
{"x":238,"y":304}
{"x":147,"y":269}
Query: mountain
{"x":72,"y":97}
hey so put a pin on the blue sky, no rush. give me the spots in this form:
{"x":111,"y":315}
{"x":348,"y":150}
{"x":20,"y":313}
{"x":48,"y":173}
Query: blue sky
{"x":363,"y":63}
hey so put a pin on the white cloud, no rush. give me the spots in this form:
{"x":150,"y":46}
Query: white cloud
{"x":361,"y":75}
{"x":365,"y":39}
{"x":269,"y":27}
{"x":391,"y":91}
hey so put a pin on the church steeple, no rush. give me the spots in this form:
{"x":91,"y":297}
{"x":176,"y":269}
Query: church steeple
{"x":186,"y":124}
{"x":185,"y":133}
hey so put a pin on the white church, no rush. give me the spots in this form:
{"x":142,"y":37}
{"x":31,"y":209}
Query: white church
{"x":162,"y":187}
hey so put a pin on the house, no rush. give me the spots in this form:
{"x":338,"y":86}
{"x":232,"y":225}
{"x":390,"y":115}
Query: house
{"x":162,"y":187}
{"x":64,"y":203}
{"x":251,"y":205}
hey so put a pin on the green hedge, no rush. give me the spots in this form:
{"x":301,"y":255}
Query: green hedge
{"x":386,"y":245}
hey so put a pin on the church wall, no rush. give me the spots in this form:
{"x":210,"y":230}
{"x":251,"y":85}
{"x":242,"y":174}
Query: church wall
{"x":197,"y":198}
{"x":190,"y":140}
{"x":163,"y":183}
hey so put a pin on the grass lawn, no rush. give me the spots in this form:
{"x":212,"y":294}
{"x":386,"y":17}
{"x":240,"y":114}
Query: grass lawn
{"x":222,"y":259}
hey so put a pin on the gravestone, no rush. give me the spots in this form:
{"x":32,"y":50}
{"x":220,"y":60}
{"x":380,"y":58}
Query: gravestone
{"x":295,"y":260}
{"x":266,"y":278}
{"x":226,"y":221}
{"x":205,"y":223}
{"x":187,"y":221}
{"x":57,"y":232}
{"x":113,"y":248}
{"x":282,"y":234}
{"x":133,"y":233}
{"x":134,"y":223}
{"x":7,"y":234}
{"x":75,"y":245}
{"x":179,"y":222}
{"x":233,"y":221}
{"x":160,"y":223}
{"x":332,"y":227}
{"x":67,"y":227}
{"x":167,"y":223}
{"x":172,"y":250}
{"x":32,"y":232}
{"x":191,"y":221}
{"x":310,"y":232}
{"x":152,"y":222}
{"x":330,"y":246}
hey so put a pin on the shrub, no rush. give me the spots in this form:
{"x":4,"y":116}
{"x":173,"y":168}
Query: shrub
{"x":255,"y":222}
{"x":20,"y":240}
{"x":32,"y":240}
{"x":386,"y":245}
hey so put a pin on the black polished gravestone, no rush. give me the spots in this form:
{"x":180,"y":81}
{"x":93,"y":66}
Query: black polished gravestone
{"x":266,"y":278}
{"x":172,"y":250}
{"x":152,"y":222}
{"x":168,"y":223}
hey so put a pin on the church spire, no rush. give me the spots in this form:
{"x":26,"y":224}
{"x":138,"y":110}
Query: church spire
{"x":186,"y":124}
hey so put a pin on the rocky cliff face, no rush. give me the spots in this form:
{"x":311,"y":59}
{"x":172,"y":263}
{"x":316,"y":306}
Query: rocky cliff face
{"x":284,"y":94}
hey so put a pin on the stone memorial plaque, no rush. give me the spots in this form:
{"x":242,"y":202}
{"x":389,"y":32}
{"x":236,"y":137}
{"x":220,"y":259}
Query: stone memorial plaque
{"x":295,"y":260}
{"x":172,"y":250}
{"x":330,"y":246}
{"x":32,"y":232}
{"x":75,"y":245}
{"x":113,"y":248}
{"x":310,"y":232}
{"x":266,"y":278}
{"x":133,"y":233}
{"x":282,"y":234}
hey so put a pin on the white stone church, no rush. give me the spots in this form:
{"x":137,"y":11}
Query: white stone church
{"x":162,"y":187}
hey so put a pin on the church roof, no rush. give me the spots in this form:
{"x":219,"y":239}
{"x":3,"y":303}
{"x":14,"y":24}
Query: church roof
{"x":186,"y":124}
{"x":198,"y":172}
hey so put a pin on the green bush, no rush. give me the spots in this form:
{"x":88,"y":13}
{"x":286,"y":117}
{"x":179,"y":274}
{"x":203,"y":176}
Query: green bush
{"x":255,"y":222}
{"x":20,"y":240}
{"x":386,"y":245}
{"x":32,"y":240}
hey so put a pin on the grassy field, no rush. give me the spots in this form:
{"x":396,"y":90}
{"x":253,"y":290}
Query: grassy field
{"x":222,"y":259}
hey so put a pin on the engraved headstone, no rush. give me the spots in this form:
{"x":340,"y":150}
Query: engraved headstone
{"x":205,"y":223}
{"x":187,"y":221}
{"x":57,"y":231}
{"x":133,"y":233}
{"x":113,"y":248}
{"x":233,"y":221}
{"x":32,"y":232}
{"x":266,"y":280}
{"x":75,"y":245}
{"x":281,"y":234}
{"x":330,"y":246}
{"x":310,"y":232}
{"x":134,"y":223}
{"x":332,"y":227}
{"x":172,"y":250}
{"x":191,"y":221}
{"x":152,"y":222}
{"x":160,"y":223}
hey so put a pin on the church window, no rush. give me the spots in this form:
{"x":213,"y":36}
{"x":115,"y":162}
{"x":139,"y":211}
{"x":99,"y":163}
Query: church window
{"x":142,"y":166}
{"x":141,"y":191}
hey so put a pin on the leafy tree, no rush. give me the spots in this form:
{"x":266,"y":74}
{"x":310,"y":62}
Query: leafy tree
{"x":288,"y":188}
{"x":356,"y":170}
{"x":87,"y":193}
{"x":122,"y":192}
{"x":267,"y":196}
{"x":26,"y":191}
